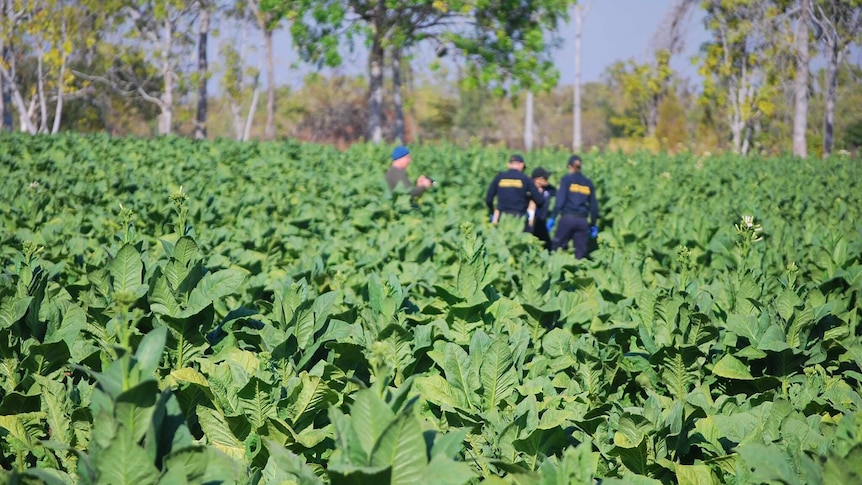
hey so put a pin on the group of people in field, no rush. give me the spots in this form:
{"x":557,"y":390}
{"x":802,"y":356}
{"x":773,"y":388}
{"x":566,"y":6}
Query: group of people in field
{"x":529,"y":199}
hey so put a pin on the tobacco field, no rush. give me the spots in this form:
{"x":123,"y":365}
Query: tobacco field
{"x":175,"y":311}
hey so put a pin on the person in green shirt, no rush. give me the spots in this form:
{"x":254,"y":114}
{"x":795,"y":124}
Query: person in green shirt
{"x":397,"y":173}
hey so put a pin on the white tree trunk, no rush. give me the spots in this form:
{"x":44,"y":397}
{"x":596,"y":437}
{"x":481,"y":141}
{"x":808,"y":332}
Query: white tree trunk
{"x":375,"y":99}
{"x":61,"y":95}
{"x":251,"y":109}
{"x":58,"y":109}
{"x":397,"y":99}
{"x":528,"y":122}
{"x":577,"y":130}
{"x":269,"y":130}
{"x":166,"y":119}
{"x":800,"y":115}
{"x":40,"y":93}
{"x":203,"y":34}
{"x":23,"y":113}
{"x":833,"y":63}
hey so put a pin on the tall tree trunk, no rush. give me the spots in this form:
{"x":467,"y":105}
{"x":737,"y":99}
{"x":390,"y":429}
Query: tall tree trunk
{"x":3,"y":102}
{"x":576,"y":135}
{"x":396,"y":95}
{"x":375,"y":98}
{"x":831,"y":94}
{"x":166,"y":118}
{"x":528,"y":122}
{"x":249,"y":121}
{"x":24,"y":114}
{"x":58,"y":108}
{"x":269,"y":130}
{"x":5,"y":84}
{"x":203,"y":33}
{"x":40,"y":92}
{"x":800,"y":115}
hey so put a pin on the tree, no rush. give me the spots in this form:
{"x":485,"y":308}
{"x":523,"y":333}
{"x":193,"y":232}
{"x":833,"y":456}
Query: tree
{"x":236,"y":80}
{"x":529,"y":123}
{"x":148,"y":40}
{"x":38,"y":40}
{"x":503,"y":43}
{"x":269,"y":14}
{"x":738,"y":64}
{"x":580,"y":13}
{"x":204,"y":8}
{"x":839,"y":23}
{"x":800,"y":116}
{"x":640,"y":90}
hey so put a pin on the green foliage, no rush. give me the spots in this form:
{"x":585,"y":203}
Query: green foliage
{"x":504,"y":42}
{"x":174,"y":311}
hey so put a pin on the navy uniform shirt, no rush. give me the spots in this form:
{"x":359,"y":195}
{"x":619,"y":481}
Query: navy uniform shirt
{"x":513,"y":190}
{"x":577,"y":196}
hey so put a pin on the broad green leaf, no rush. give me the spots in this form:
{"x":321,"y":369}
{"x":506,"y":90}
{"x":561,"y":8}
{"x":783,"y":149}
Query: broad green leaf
{"x":185,"y":251}
{"x":218,"y":433}
{"x":192,"y":376}
{"x":695,"y":475}
{"x":69,"y":329}
{"x":257,"y":402}
{"x":369,"y":417}
{"x":123,"y":462}
{"x":45,"y":359}
{"x":769,"y":463}
{"x":127,"y":270}
{"x":189,"y":464}
{"x":134,"y":408}
{"x":732,"y":368}
{"x":16,"y":429}
{"x":49,"y":476}
{"x":403,"y":447}
{"x":55,"y":405}
{"x":448,"y":445}
{"x":631,"y":432}
{"x":12,"y":310}
{"x":496,"y":374}
{"x":212,"y":287}
{"x":786,"y":302}
{"x":283,"y":466}
{"x":313,"y":397}
{"x":442,"y":471}
{"x":437,"y":390}
{"x":149,"y":351}
{"x":460,"y":374}
{"x":162,"y":300}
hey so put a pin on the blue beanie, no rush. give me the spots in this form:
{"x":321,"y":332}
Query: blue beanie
{"x":400,"y":151}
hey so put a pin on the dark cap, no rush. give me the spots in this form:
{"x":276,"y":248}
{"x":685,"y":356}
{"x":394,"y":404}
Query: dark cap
{"x":400,"y":151}
{"x":540,"y":172}
{"x":573,"y":159}
{"x":516,"y":158}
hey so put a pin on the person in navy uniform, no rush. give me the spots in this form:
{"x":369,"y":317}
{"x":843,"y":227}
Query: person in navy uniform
{"x":540,"y":177}
{"x":513,"y":191}
{"x":576,"y":202}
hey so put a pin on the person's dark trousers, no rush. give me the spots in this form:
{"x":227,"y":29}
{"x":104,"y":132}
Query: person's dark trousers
{"x":540,"y":230}
{"x":575,"y":228}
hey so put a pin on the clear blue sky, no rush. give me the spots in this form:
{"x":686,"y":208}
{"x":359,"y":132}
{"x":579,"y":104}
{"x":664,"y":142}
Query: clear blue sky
{"x":613,"y":30}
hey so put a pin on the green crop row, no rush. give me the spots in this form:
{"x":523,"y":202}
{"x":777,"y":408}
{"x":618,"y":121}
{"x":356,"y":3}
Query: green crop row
{"x":174,"y":311}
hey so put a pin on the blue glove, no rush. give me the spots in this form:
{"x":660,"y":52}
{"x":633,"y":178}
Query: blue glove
{"x":594,"y":232}
{"x":550,"y":223}
{"x":491,"y":218}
